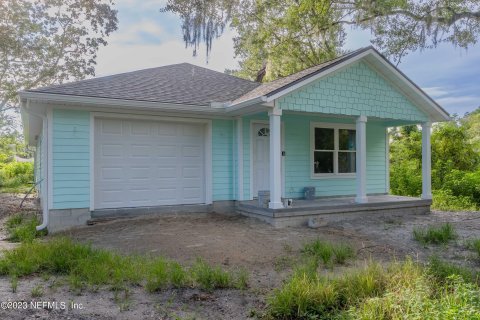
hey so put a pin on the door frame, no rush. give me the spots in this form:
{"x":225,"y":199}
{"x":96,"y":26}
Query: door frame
{"x":208,"y":178}
{"x":282,"y":139}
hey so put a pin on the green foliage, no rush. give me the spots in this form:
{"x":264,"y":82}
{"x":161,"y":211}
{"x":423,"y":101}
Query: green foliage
{"x":16,"y":176}
{"x":445,"y":200}
{"x":49,"y":41}
{"x":285,"y":36}
{"x":328,"y":252}
{"x":435,"y":235}
{"x":399,"y":291}
{"x":86,"y":266}
{"x":455,"y":164}
{"x":441,"y":271}
{"x":11,"y":144}
{"x":21,"y":227}
{"x":451,"y":150}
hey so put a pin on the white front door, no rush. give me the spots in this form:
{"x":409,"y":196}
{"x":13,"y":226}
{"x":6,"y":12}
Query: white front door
{"x":261,"y":157}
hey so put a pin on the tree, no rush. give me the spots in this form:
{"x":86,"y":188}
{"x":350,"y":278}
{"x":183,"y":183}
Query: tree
{"x":471,"y":122}
{"x":49,"y":41}
{"x":314,"y":29}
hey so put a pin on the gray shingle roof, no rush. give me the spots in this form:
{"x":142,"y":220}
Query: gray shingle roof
{"x":181,"y":83}
{"x":269,"y":88}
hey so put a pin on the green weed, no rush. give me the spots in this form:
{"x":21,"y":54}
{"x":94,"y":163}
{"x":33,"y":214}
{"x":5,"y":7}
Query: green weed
{"x":328,"y":252}
{"x":435,"y":235}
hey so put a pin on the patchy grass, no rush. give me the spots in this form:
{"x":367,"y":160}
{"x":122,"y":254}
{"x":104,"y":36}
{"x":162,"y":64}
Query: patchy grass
{"x":37,"y":291}
{"x":474,"y":245}
{"x":87,"y":267}
{"x":21,"y":227}
{"x":328,"y":252}
{"x":435,"y":235}
{"x":399,"y":291}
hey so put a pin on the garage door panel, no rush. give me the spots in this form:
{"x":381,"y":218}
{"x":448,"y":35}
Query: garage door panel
{"x":165,"y":173}
{"x":111,"y":127}
{"x":166,"y":151}
{"x":146,"y":163}
{"x":112,"y":150}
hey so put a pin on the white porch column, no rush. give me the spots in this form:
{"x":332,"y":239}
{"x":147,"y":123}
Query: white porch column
{"x":361,"y":159}
{"x":275,"y":159}
{"x":426,"y":162}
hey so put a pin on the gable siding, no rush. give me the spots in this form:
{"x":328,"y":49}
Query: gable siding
{"x":222,"y":159}
{"x":71,"y":159}
{"x":356,"y":90}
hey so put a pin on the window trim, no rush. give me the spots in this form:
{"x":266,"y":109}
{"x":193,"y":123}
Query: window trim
{"x":336,"y":127}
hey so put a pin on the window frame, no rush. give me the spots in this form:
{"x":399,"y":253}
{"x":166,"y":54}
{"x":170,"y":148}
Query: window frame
{"x":336,"y":144}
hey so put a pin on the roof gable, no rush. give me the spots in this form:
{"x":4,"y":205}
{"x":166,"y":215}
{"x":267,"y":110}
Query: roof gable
{"x":276,"y":89}
{"x":354,"y":90}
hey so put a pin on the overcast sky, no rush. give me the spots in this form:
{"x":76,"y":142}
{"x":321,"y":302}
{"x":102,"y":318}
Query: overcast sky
{"x":148,"y":38}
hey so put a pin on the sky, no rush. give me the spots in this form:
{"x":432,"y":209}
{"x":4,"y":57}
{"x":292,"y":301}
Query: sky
{"x":148,"y":38}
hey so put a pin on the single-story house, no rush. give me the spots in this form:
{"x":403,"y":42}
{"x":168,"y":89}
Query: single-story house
{"x":182,"y":138}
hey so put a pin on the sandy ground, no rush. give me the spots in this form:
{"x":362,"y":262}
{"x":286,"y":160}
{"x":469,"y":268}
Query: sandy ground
{"x":232,"y":242}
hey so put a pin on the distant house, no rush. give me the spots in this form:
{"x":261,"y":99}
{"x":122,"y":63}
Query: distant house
{"x":186,"y":138}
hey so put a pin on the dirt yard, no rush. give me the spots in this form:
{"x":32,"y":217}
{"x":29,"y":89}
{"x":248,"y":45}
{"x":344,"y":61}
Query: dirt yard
{"x":231,"y":241}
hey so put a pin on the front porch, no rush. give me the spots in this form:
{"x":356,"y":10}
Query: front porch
{"x":324,"y":210}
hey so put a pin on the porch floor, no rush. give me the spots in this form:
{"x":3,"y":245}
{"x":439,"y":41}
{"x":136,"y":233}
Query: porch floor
{"x":326,"y":209}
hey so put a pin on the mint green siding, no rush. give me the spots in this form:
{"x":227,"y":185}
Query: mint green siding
{"x":356,"y":90}
{"x":71,"y":159}
{"x":222,"y":160}
{"x":297,"y":162}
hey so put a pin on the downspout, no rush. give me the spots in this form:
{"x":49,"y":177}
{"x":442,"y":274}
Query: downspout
{"x":45,"y":159}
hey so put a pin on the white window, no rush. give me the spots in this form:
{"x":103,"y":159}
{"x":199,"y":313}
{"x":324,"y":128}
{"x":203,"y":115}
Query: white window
{"x":333,"y":149}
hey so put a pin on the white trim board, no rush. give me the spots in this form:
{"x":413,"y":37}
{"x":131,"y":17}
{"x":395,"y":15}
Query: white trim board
{"x":50,"y":157}
{"x":335,"y":126}
{"x":267,"y":122}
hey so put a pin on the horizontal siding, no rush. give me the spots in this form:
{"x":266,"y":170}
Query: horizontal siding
{"x":222,"y":160}
{"x":297,"y":160}
{"x":71,"y":159}
{"x":355,"y":90}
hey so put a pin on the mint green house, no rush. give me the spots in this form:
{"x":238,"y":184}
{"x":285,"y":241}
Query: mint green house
{"x":182,"y":138}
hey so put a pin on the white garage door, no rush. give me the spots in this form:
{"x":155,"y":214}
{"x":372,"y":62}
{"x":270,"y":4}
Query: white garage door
{"x":148,"y":163}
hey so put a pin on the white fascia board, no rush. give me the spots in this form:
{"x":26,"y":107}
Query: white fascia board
{"x":116,"y":103}
{"x":246,"y":103}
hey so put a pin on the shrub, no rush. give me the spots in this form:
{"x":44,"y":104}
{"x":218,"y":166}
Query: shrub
{"x":16,"y":175}
{"x":435,"y":235}
{"x":445,"y":200}
{"x":406,"y":178}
